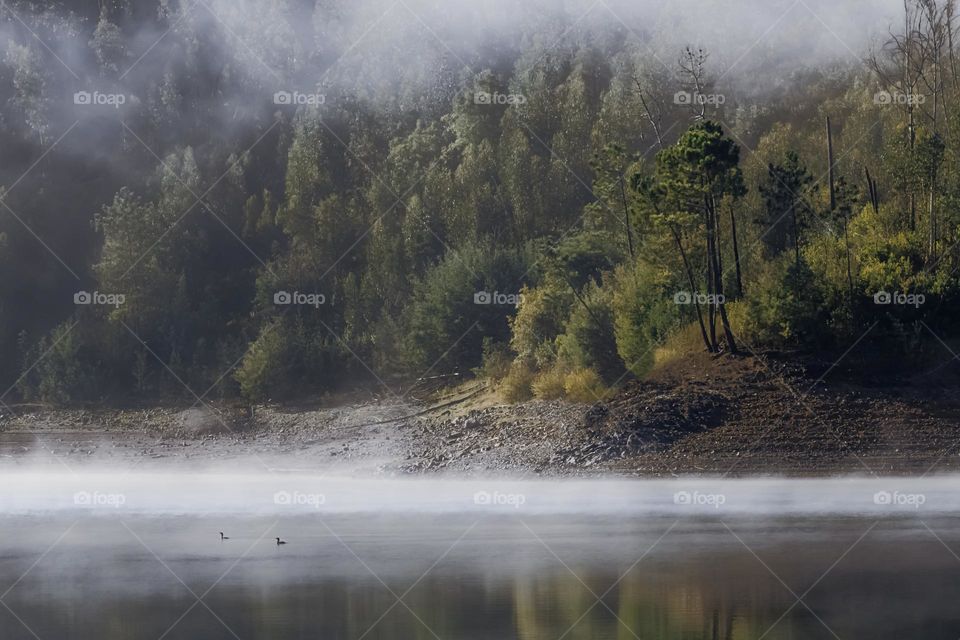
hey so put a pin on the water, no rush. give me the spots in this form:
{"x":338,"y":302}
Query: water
{"x":138,"y":557}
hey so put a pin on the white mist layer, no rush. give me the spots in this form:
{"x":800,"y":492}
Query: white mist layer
{"x":191,"y":493}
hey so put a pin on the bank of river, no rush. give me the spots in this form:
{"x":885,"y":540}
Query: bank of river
{"x":734,"y":417}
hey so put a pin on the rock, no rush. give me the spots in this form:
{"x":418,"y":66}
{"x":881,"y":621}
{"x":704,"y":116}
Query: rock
{"x":201,"y":421}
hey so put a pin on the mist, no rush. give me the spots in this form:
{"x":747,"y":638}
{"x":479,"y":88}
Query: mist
{"x":188,"y":490}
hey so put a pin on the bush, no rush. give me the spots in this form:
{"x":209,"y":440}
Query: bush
{"x":787,"y":307}
{"x":517,"y":386}
{"x":540,"y":319}
{"x":589,"y":340}
{"x":497,"y":359}
{"x":550,"y":384}
{"x":584,"y":386}
{"x":644,"y":314}
{"x":445,"y":322}
{"x":287,"y":358}
{"x":69,"y":366}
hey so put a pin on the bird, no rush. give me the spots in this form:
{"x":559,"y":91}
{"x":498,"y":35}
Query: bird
{"x":223,"y":537}
{"x":279,"y":542}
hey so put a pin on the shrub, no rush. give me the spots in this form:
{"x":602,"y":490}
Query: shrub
{"x":584,"y":386}
{"x":787,"y":307}
{"x":550,"y":384}
{"x":444,"y":320}
{"x":69,"y":366}
{"x":589,"y":340}
{"x":289,"y":357}
{"x":517,"y":386}
{"x":497,"y":359}
{"x":644,"y":314}
{"x":540,"y":319}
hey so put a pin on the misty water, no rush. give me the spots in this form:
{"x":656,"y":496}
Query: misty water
{"x":137,"y":555}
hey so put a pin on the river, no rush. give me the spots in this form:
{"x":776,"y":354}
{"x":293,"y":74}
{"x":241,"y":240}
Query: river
{"x":138,"y":556}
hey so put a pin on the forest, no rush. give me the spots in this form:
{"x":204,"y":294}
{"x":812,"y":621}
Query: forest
{"x":277,"y":199}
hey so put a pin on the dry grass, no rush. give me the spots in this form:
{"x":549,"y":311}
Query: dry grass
{"x":687,"y":340}
{"x":585,"y":386}
{"x":549,"y":385}
{"x":517,"y":386}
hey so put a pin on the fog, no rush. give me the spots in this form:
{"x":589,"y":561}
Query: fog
{"x":408,"y":54}
{"x":119,"y":492}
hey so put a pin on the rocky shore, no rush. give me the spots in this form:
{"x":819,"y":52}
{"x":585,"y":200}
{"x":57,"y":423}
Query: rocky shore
{"x":726,"y":416}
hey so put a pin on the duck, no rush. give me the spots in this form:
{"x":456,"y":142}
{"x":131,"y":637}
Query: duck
{"x":223,"y":537}
{"x":279,"y":542}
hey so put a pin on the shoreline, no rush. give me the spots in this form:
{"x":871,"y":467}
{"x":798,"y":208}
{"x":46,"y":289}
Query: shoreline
{"x":736,"y":418}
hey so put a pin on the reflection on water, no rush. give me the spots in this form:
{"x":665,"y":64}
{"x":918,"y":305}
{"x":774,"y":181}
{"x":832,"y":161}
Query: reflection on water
{"x":481,"y":575}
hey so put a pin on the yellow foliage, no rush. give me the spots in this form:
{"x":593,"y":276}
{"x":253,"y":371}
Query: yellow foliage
{"x":585,"y":386}
{"x":549,"y":385}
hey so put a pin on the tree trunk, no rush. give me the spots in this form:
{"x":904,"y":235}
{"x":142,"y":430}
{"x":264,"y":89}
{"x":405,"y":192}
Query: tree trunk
{"x":796,"y":233}
{"x":736,"y":252}
{"x":846,"y":241}
{"x":711,"y":276}
{"x":693,"y":287}
{"x":626,"y":213}
{"x":718,"y":300}
{"x":833,"y":192}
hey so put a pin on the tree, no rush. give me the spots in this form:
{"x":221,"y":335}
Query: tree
{"x":694,"y":176}
{"x":611,"y":167}
{"x":786,"y":210}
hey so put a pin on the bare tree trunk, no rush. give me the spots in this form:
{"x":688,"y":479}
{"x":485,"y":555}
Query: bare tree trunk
{"x":711,"y":275}
{"x":626,"y":213}
{"x":872,"y":191}
{"x":846,"y":241}
{"x":655,"y":120}
{"x":718,"y":299}
{"x":913,"y":196}
{"x":693,"y":287}
{"x":833,"y":191}
{"x":796,"y":232}
{"x":951,"y":7}
{"x":736,"y":251}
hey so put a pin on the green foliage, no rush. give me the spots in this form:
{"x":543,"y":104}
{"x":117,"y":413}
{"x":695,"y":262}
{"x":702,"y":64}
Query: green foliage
{"x":497,"y":359}
{"x":786,"y":213}
{"x":287,"y":359}
{"x":448,"y":323}
{"x":549,"y":384}
{"x":67,"y":367}
{"x":404,"y":196}
{"x":788,"y":307}
{"x":589,"y":341}
{"x":644,"y":314}
{"x":704,"y":162}
{"x":539,"y":321}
